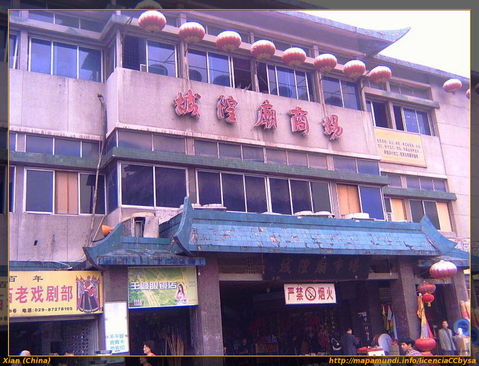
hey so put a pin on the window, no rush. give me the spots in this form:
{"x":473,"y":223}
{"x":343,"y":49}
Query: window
{"x":134,"y":140}
{"x":371,"y":202}
{"x":300,"y":195}
{"x":279,"y":190}
{"x":255,"y":194}
{"x":11,"y":189}
{"x":379,"y":113}
{"x":230,"y":151}
{"x":67,"y":147}
{"x":90,"y":149}
{"x":137,"y":185}
{"x":39,"y":191}
{"x":348,"y":199}
{"x":169,"y":144}
{"x":425,"y":183}
{"x":252,"y":153}
{"x":276,"y":156}
{"x":297,"y":158}
{"x":242,"y":73}
{"x":209,"y":190}
{"x":87,"y":194}
{"x":317,"y":161}
{"x":13,"y":141}
{"x":411,"y":91}
{"x":394,"y":179}
{"x":320,"y":193}
{"x":161,"y":59}
{"x":66,"y":193}
{"x":65,"y":60}
{"x":110,"y":59}
{"x":39,"y":144}
{"x":233,"y":192}
{"x":170,"y":186}
{"x":65,"y":20}
{"x":395,"y":209}
{"x":412,"y":120}
{"x":437,"y":212}
{"x":340,"y":93}
{"x":209,"y":67}
{"x":353,"y":198}
{"x":353,"y":165}
{"x":112,"y":187}
{"x":3,"y":188}
{"x":13,"y":51}
{"x":206,"y":148}
{"x":285,"y":82}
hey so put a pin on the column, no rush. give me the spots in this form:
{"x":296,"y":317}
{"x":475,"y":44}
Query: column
{"x":206,"y":326}
{"x":404,"y":299}
{"x":374,"y":308}
{"x":454,"y":293}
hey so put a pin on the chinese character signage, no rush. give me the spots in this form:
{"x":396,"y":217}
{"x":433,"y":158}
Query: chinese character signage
{"x":187,"y":104}
{"x":315,"y":267}
{"x":161,"y":287}
{"x":309,"y":293}
{"x":116,"y":327}
{"x":400,"y":147}
{"x":226,"y":108}
{"x":266,"y":116}
{"x":3,"y":300}
{"x":299,"y":121}
{"x":43,"y":293}
{"x":331,"y":127}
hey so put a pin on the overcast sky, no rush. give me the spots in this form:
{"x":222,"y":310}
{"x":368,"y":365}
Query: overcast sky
{"x":439,"y":39}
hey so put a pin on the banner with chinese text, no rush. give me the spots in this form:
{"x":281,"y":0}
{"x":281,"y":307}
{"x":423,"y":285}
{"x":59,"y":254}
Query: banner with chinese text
{"x":116,"y":327}
{"x":161,"y":287}
{"x":309,"y":293}
{"x":400,"y":147}
{"x":44,"y":293}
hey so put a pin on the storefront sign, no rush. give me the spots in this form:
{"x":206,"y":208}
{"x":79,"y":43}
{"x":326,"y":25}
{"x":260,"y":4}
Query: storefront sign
{"x":299,"y":121}
{"x":266,"y":116}
{"x":315,"y":267}
{"x":309,"y":293}
{"x":116,"y":327}
{"x":187,"y":104}
{"x":331,"y":127}
{"x":3,"y":300}
{"x":44,"y":293}
{"x":161,"y":287}
{"x":226,"y":108}
{"x":400,"y":147}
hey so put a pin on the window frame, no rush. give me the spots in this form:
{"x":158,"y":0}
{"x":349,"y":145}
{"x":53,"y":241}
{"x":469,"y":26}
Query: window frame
{"x":402,"y":106}
{"x":104,"y":195}
{"x":208,"y":74}
{"x":340,"y":80}
{"x":15,"y":51}
{"x":306,"y":73}
{"x":358,"y":186}
{"x":25,"y":176}
{"x":373,"y":113}
{"x":175,"y":51}
{"x":12,"y":177}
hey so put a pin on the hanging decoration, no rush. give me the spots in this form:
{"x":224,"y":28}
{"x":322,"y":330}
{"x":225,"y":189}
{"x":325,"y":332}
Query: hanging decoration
{"x":191,"y":32}
{"x":426,"y":288}
{"x":428,"y":298}
{"x":443,"y":269}
{"x":354,"y":68}
{"x":148,"y":4}
{"x":452,"y":85}
{"x":380,"y":74}
{"x":228,"y":41}
{"x":325,"y":62}
{"x":294,"y":56}
{"x":152,"y":21}
{"x":425,"y":342}
{"x":263,"y":49}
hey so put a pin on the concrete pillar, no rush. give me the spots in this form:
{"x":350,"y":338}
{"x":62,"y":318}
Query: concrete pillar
{"x":404,"y":299}
{"x":453,"y":294}
{"x":119,"y":49}
{"x":374,"y":308}
{"x":22,"y":55}
{"x":206,"y":326}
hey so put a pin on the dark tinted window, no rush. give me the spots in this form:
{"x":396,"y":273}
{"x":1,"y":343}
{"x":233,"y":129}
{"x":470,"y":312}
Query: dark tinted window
{"x":394,"y":180}
{"x":300,"y":196}
{"x":286,"y":82}
{"x":380,"y":114}
{"x":233,"y":192}
{"x":65,"y":60}
{"x":67,"y":147}
{"x":39,"y":192}
{"x":39,"y":144}
{"x":43,"y":16}
{"x":413,"y":182}
{"x":112,"y":187}
{"x":11,"y":193}
{"x":423,"y":123}
{"x":320,"y":192}
{"x":219,"y":69}
{"x":161,"y":59}
{"x":169,"y":144}
{"x":206,"y":148}
{"x":302,"y":86}
{"x":431,"y":212}
{"x":90,"y":64}
{"x":170,"y":187}
{"x":87,"y":191}
{"x":197,"y":66}
{"x":297,"y":158}
{"x":317,"y":161}
{"x":134,"y":140}
{"x":90,"y":149}
{"x":134,"y":52}
{"x":242,"y":73}
{"x":411,"y":120}
{"x":13,"y":141}
{"x":439,"y":185}
{"x":398,"y":118}
{"x":40,"y":57}
{"x":426,"y":184}
{"x":417,"y":211}
{"x":350,"y":95}
{"x":253,"y":153}
{"x":209,"y":190}
{"x":67,"y":20}
{"x":371,"y":202}
{"x":332,"y":92}
{"x":280,"y":196}
{"x":344,"y":164}
{"x":262,"y":78}
{"x":230,"y":151}
{"x":276,"y":156}
{"x":368,"y":167}
{"x":110,"y":142}
{"x":137,"y":185}
{"x":255,"y":194}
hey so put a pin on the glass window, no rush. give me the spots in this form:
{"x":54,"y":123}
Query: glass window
{"x":394,"y":180}
{"x":39,"y":144}
{"x":206,"y":148}
{"x":317,"y":161}
{"x":311,"y":89}
{"x":42,"y":16}
{"x":379,"y":113}
{"x":398,"y":118}
{"x":242,"y":73}
{"x":40,"y":56}
{"x":197,"y":66}
{"x":161,"y":59}
{"x":332,"y":91}
{"x":67,"y":147}
{"x":65,"y":60}
{"x":444,"y":219}
{"x":412,"y":182}
{"x":170,"y":187}
{"x":137,"y":185}
{"x":417,"y":211}
{"x":134,"y":53}
{"x":87,"y":193}
{"x":387,"y":204}
{"x":300,"y":195}
{"x":276,"y":156}
{"x":233,"y":192}
{"x":411,"y":120}
{"x":350,"y":95}
{"x":134,"y":140}
{"x":302,"y":85}
{"x":263,"y":78}
{"x":110,"y":59}
{"x":423,"y":123}
{"x":368,"y":167}
{"x":112,"y":187}
{"x":110,"y":142}
{"x":286,"y":82}
{"x":230,"y":151}
{"x":280,"y":202}
{"x":273,"y":89}
{"x":12,"y":51}
{"x":439,"y":185}
{"x":90,"y":149}
{"x":209,"y":190}
{"x":431,"y":213}
{"x":90,"y":64}
{"x":252,"y":153}
{"x":371,"y":202}
{"x":13,"y":141}
{"x":320,"y":193}
{"x":169,"y":144}
{"x":426,"y":184}
{"x":39,"y":192}
{"x":255,"y":194}
{"x":344,"y":164}
{"x":219,"y":69}
{"x":297,"y":158}
{"x":11,"y":189}
{"x":67,"y":20}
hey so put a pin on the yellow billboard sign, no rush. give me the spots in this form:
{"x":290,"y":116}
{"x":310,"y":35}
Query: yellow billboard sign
{"x":400,"y":147}
{"x":46,"y":293}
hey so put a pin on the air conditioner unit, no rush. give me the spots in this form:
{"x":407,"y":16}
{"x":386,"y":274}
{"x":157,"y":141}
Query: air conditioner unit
{"x":143,"y":67}
{"x":357,"y":216}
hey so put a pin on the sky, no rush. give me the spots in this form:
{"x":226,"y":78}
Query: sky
{"x":438,"y":39}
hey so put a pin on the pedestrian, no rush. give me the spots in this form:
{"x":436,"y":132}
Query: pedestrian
{"x":446,"y":340}
{"x":385,"y":341}
{"x":336,"y":348}
{"x":148,"y":347}
{"x":349,"y":343}
{"x":406,"y":345}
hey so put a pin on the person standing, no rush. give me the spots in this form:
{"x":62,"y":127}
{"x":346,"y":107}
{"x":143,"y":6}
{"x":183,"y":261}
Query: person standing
{"x":349,"y":343}
{"x":446,"y":340}
{"x":385,"y":341}
{"x":148,"y":347}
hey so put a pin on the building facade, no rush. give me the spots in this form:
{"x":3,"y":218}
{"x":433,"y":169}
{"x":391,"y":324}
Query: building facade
{"x":246,"y":198}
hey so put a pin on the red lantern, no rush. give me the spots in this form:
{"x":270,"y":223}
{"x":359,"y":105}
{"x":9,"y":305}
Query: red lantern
{"x":263,"y":49}
{"x":425,"y":344}
{"x":228,"y":41}
{"x":152,"y":21}
{"x":191,"y":32}
{"x":468,"y":93}
{"x":148,"y":4}
{"x":325,"y":62}
{"x":443,"y":269}
{"x":426,"y":288}
{"x":380,"y":74}
{"x":452,"y":85}
{"x":428,"y":299}
{"x":354,"y":68}
{"x":294,"y":56}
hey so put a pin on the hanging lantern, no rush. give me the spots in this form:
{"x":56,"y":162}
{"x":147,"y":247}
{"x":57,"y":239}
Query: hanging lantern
{"x":191,"y":32}
{"x":354,"y":68}
{"x":443,"y":269}
{"x":452,"y":85}
{"x":380,"y":74}
{"x":425,"y":344}
{"x":152,"y":21}
{"x":148,"y":4}
{"x":325,"y":62}
{"x":105,"y":230}
{"x":426,"y":288}
{"x":228,"y":41}
{"x":263,"y":49}
{"x":428,"y":298}
{"x":294,"y":56}
{"x":468,"y":93}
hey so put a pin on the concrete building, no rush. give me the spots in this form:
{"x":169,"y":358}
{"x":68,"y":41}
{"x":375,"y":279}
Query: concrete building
{"x":314,"y":201}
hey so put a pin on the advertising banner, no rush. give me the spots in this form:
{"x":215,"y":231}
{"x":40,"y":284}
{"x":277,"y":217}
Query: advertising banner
{"x":162,"y":287}
{"x":116,"y":327}
{"x":44,"y":293}
{"x":309,"y":293}
{"x":400,"y":147}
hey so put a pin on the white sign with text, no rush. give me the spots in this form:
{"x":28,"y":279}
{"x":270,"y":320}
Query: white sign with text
{"x":309,"y":293}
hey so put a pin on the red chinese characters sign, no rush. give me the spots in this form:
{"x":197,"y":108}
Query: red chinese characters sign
{"x":331,"y":127}
{"x":266,"y":116}
{"x":309,"y":293}
{"x":226,"y":108}
{"x":43,"y":293}
{"x":187,"y":104}
{"x":299,"y":120}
